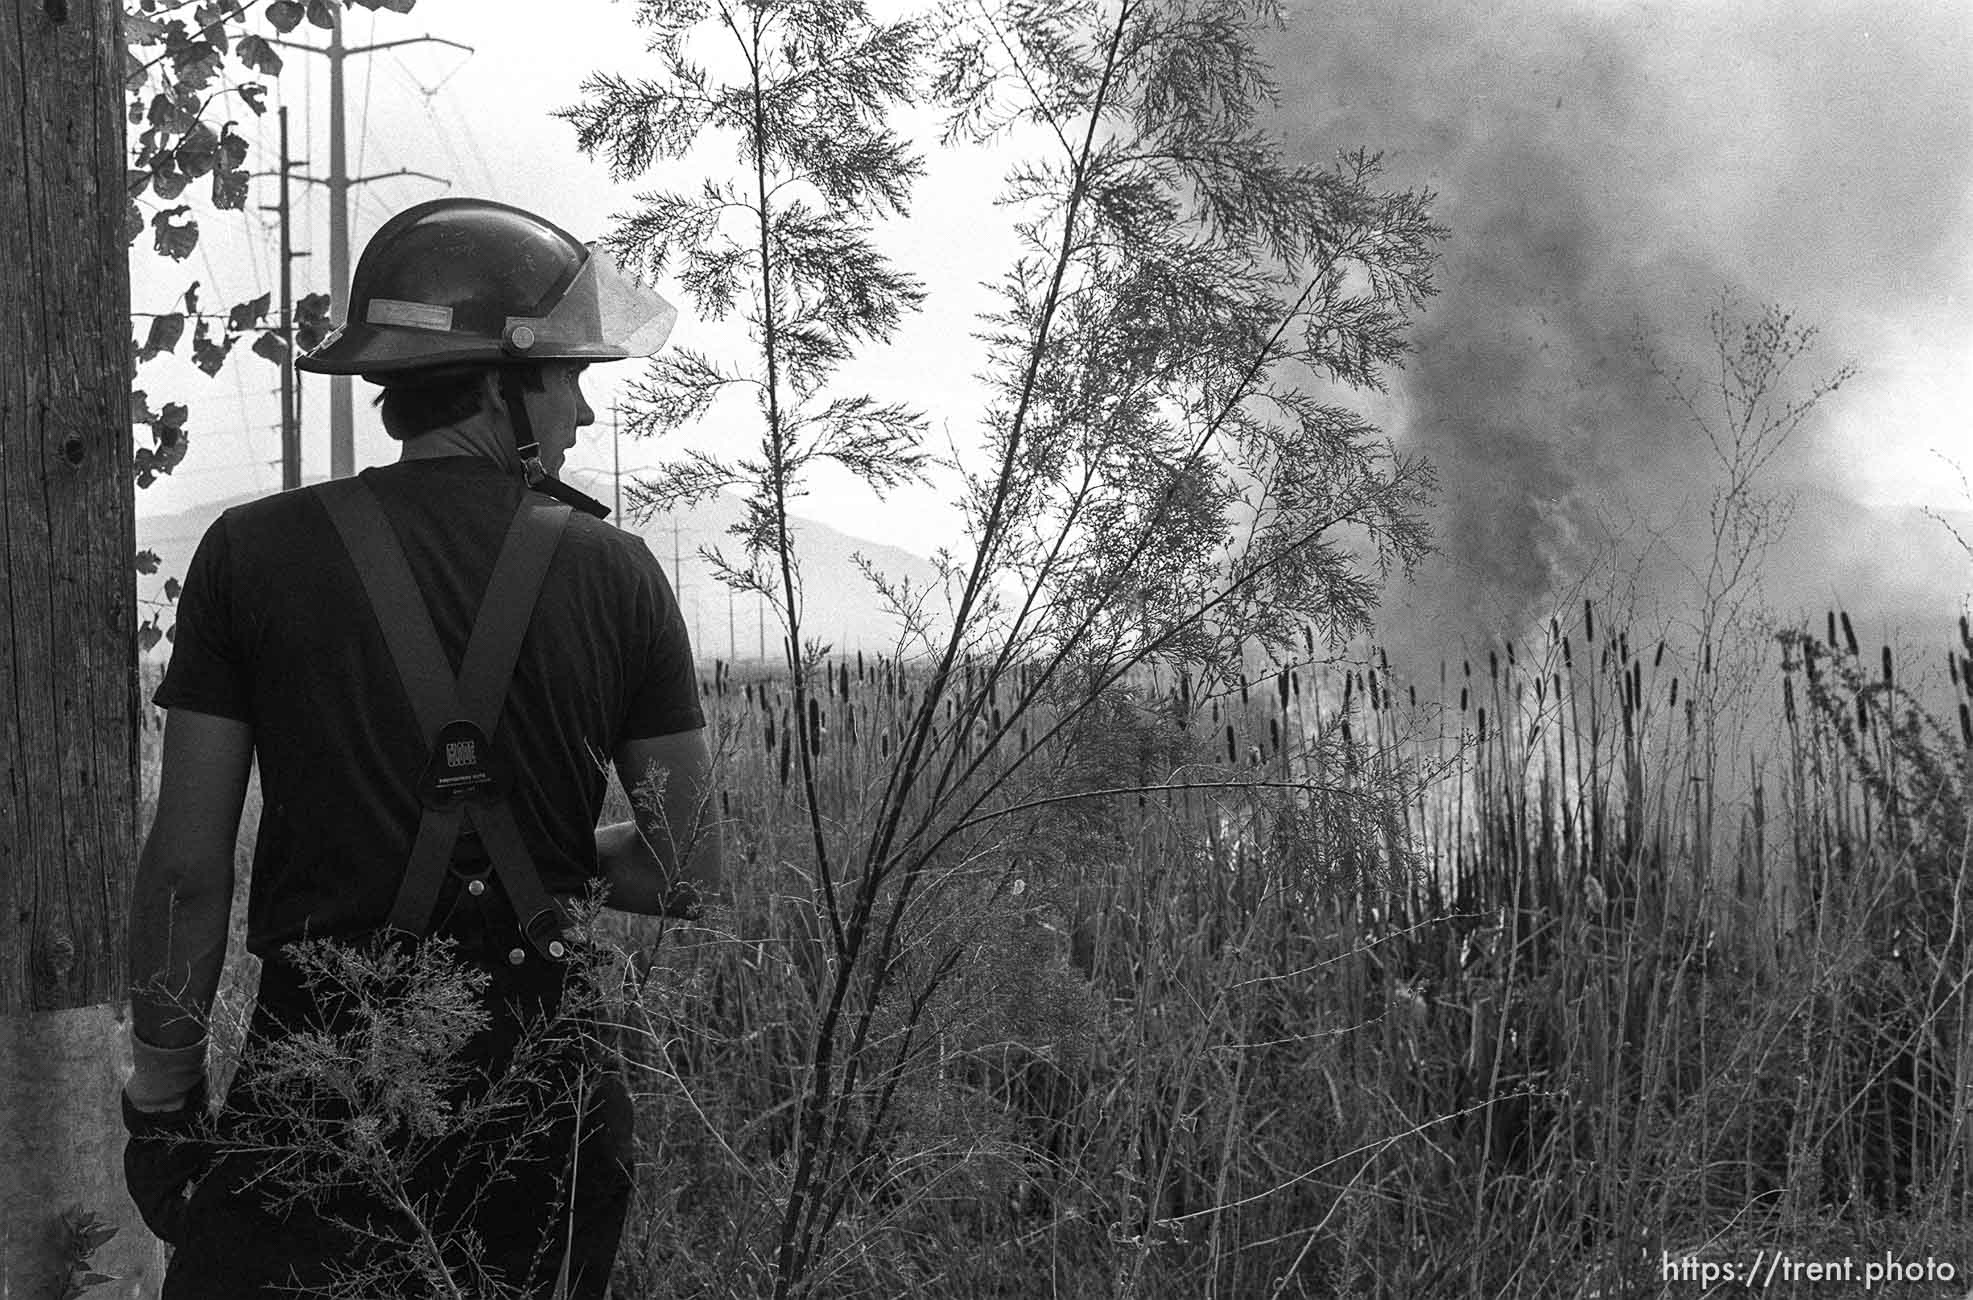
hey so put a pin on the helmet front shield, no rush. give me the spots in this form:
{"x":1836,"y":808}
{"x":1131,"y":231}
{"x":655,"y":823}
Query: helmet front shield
{"x":604,"y":315}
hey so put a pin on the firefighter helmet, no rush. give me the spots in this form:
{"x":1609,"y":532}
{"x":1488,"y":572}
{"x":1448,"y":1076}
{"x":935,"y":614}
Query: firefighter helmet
{"x":463,"y":282}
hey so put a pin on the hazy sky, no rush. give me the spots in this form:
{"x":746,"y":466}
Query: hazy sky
{"x":1606,"y":171}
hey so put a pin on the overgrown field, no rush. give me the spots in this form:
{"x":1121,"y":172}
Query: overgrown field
{"x":1584,"y":958}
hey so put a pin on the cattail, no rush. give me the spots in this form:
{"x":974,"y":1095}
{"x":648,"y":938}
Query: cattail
{"x":787,"y":752}
{"x":859,"y":665}
{"x":1808,"y":662}
{"x":1554,"y":629}
{"x":1232,"y":748}
{"x":1274,"y":734}
{"x":814,"y":726}
{"x":1462,"y":699}
{"x":1243,"y":688}
{"x":1888,"y":681}
{"x":1510,"y":654}
{"x":726,"y":804}
{"x":1567,"y":661}
{"x":1831,"y":638}
{"x":1308,"y":639}
{"x":1863,"y":713}
{"x":1281,"y":688}
{"x":1295,"y":683}
{"x":1788,"y":698}
{"x":1966,"y":633}
{"x":1483,"y":724}
{"x":1966,"y":724}
{"x":1849,"y":633}
{"x":1589,"y":622}
{"x":1412,"y":691}
{"x":770,"y":733}
{"x":1349,"y":685}
{"x":1658,"y":658}
{"x":1674,"y":692}
{"x":1493,"y":665}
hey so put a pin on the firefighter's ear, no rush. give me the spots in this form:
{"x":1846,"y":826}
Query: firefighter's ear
{"x":492,"y":404}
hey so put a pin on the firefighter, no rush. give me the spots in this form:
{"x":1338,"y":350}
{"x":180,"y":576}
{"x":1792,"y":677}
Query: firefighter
{"x":428,"y":662}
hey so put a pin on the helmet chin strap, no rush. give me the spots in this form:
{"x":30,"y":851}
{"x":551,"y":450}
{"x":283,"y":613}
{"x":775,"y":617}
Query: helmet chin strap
{"x":528,"y":448}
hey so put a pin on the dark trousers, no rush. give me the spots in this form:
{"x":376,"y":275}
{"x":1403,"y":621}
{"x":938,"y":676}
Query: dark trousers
{"x":507,"y":1183}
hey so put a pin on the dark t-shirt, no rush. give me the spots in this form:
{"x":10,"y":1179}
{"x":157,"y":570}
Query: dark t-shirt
{"x":275,"y":629}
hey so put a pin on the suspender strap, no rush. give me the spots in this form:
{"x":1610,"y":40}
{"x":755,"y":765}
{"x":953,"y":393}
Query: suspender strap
{"x":478,"y":695}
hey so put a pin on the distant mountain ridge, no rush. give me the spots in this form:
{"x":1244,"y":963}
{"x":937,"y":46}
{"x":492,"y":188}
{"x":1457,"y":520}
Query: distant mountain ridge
{"x":840,"y":607}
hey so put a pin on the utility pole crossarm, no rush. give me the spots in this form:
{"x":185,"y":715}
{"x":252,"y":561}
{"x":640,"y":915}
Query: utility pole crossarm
{"x":402,"y":171}
{"x":371,"y":49}
{"x":409,"y":40}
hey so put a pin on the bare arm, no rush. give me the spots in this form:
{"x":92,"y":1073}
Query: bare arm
{"x":674,"y":840}
{"x":183,"y":892}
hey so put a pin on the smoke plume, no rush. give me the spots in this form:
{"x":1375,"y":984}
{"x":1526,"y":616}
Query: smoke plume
{"x":1607,"y":172}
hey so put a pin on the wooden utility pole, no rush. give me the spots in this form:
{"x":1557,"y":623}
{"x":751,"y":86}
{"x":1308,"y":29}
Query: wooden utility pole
{"x":68,"y":648}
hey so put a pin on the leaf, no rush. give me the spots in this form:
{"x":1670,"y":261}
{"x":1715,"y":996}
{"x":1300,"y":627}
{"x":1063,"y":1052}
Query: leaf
{"x":147,"y":634}
{"x":311,"y":321}
{"x":256,"y":96}
{"x":175,"y":233}
{"x":169,"y":427}
{"x":232,"y":149}
{"x":192,"y":299}
{"x":229,"y":189}
{"x":133,"y":222}
{"x":284,"y":15}
{"x":147,"y":562}
{"x":139,"y":30}
{"x":207,"y":355}
{"x":395,"y":6}
{"x":166,"y":179}
{"x":171,"y":589}
{"x":195,"y":63}
{"x":246,"y":315}
{"x":197,"y":153}
{"x":211,"y":19}
{"x":170,"y":114}
{"x":258,"y":54}
{"x":140,"y":407}
{"x":272,"y":345}
{"x":166,"y":330}
{"x":321,"y":14}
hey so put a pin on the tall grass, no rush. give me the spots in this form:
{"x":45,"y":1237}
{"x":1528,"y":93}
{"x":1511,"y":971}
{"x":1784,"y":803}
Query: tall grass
{"x":1501,"y":989}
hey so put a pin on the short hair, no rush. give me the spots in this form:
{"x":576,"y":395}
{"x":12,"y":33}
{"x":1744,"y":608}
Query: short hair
{"x":418,"y":401}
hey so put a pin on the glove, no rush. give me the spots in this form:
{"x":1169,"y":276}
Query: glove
{"x":163,"y":1158}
